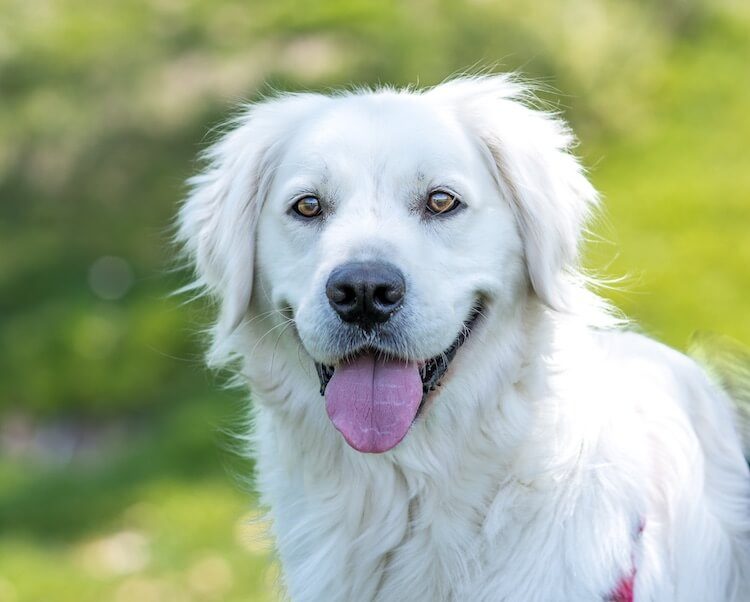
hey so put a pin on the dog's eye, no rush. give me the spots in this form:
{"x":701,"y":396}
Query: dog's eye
{"x":440,"y":202}
{"x":307,"y":206}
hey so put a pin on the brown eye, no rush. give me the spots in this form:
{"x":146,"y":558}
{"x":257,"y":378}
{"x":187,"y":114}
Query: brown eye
{"x":441,"y":201}
{"x":307,"y":206}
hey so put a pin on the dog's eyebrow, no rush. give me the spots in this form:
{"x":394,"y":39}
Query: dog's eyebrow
{"x":307,"y":178}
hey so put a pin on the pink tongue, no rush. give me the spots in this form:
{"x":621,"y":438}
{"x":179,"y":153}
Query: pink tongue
{"x":373,"y":402}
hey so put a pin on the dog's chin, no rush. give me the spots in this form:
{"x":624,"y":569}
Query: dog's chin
{"x":373,"y":395}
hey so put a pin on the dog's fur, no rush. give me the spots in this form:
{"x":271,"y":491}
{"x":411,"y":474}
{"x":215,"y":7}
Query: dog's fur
{"x":562,"y":452}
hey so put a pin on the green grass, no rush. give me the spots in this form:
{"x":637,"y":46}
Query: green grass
{"x":677,"y":196}
{"x":161,"y":515}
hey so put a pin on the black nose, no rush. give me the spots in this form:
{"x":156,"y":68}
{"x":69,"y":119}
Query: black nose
{"x":366,"y":292}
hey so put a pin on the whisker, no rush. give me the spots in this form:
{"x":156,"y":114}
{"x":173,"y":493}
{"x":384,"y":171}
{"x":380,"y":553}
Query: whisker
{"x":269,"y":331}
{"x":278,"y":339}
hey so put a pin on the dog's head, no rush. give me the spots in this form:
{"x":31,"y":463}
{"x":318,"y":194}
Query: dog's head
{"x":387,"y":226}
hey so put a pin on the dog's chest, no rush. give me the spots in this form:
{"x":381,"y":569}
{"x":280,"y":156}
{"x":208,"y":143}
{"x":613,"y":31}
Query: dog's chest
{"x":488,"y":542}
{"x":460,"y":548}
{"x":367,"y":529}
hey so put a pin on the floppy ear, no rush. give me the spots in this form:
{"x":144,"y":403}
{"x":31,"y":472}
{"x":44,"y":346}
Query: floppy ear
{"x":530,"y":149}
{"x":217,"y":220}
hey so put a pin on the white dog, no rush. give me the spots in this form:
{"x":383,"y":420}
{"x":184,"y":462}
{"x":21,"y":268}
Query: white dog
{"x":442,"y":411}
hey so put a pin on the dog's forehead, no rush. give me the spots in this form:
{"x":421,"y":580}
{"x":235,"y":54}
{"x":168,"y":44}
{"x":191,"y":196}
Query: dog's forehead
{"x":383,"y":131}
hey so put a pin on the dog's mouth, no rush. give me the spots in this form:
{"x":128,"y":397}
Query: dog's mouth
{"x":372,"y":399}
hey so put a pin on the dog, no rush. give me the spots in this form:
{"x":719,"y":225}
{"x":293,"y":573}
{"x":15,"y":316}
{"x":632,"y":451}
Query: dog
{"x":443,"y":409}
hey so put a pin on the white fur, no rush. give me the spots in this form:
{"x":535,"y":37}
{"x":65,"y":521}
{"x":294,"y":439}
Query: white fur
{"x":555,"y":433}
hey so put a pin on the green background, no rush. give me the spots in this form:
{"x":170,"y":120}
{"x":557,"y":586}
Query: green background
{"x":119,"y":473}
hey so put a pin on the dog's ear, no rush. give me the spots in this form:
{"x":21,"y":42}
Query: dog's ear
{"x":530,"y":153}
{"x":216,"y":222}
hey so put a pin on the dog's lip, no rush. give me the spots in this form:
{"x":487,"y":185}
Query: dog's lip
{"x":431,"y":370}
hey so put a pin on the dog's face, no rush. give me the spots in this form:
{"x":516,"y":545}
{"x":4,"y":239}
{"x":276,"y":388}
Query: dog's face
{"x":399,"y":197}
{"x":387,"y":226}
{"x":383,"y":234}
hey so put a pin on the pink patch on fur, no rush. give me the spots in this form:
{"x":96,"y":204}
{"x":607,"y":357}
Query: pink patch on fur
{"x":626,"y":587}
{"x":624,"y":591}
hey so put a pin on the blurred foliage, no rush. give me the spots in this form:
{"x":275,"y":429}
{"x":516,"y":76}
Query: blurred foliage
{"x":104,"y":107}
{"x":153,"y":519}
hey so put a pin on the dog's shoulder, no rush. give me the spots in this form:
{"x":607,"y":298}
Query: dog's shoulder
{"x":631,"y":354}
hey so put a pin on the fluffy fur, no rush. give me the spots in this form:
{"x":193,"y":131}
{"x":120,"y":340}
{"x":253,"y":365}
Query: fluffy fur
{"x":557,"y":435}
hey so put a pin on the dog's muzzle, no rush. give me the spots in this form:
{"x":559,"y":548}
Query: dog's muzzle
{"x":372,"y":398}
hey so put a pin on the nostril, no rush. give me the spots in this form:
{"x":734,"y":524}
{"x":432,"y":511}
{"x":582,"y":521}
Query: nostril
{"x":388,"y":294}
{"x":343,"y":295}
